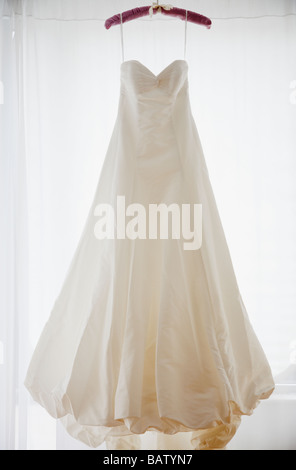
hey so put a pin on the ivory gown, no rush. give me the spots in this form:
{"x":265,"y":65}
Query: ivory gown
{"x":144,"y":335}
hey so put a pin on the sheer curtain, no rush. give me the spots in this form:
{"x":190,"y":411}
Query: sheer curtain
{"x":59,"y":91}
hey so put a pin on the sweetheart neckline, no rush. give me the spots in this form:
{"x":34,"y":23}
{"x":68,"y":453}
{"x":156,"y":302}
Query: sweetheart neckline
{"x":151,"y":73}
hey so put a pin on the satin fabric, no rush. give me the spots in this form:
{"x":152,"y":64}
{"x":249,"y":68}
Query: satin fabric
{"x":149,"y":345}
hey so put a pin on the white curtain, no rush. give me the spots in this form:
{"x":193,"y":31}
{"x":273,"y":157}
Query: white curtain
{"x":59,"y":92}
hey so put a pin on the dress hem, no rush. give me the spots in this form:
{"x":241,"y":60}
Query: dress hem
{"x":124,"y":433}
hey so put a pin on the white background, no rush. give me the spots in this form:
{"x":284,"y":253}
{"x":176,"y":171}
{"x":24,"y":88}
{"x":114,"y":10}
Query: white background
{"x":60,"y":79}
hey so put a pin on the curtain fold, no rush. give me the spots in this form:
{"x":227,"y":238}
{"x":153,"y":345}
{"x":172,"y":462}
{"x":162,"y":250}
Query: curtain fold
{"x":14,"y":235}
{"x":59,"y":92}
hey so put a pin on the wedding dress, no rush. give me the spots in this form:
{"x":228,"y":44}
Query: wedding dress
{"x":149,"y":345}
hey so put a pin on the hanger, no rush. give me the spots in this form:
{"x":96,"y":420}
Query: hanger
{"x":168,"y":10}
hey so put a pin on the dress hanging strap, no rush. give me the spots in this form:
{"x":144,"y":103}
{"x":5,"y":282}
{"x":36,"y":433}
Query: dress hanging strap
{"x":185,"y":39}
{"x":121,"y":35}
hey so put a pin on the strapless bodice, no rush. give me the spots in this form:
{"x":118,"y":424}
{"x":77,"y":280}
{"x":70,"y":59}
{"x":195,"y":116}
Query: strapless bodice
{"x":137,"y":80}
